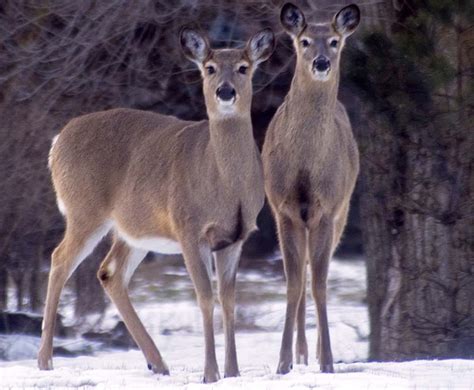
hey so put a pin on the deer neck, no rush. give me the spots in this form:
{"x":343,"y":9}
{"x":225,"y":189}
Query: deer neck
{"x":312,"y":103}
{"x":233,"y":148}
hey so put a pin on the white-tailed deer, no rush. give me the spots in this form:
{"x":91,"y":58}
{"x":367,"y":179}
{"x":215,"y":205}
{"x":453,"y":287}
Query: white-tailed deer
{"x":311,"y":163}
{"x":164,"y":185}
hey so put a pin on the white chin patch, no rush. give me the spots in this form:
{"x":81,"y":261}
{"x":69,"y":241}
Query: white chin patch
{"x":321,"y":76}
{"x":226,"y":105}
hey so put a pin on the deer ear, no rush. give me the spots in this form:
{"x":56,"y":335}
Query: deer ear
{"x":261,"y":45}
{"x":292,"y":19}
{"x":194,"y":45}
{"x":347,"y":19}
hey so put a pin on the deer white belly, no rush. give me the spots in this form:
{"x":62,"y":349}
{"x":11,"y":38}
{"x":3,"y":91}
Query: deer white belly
{"x":152,"y":243}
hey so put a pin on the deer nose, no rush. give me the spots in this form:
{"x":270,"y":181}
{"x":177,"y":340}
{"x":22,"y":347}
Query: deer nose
{"x":225,"y":92}
{"x":321,"y":64}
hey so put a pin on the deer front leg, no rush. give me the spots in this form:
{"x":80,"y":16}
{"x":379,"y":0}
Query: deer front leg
{"x":198,"y":260}
{"x":114,"y":274}
{"x":293,"y":244}
{"x":320,"y":248}
{"x":227,"y":261}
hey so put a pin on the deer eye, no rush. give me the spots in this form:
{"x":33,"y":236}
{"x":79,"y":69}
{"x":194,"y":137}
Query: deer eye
{"x":243,"y":69}
{"x":210,"y":69}
{"x":333,"y":43}
{"x":304,"y":42}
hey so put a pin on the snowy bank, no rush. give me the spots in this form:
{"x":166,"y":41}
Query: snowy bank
{"x":128,"y":371}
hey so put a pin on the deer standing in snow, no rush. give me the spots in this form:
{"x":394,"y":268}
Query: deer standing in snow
{"x":311,"y":164}
{"x":164,"y":185}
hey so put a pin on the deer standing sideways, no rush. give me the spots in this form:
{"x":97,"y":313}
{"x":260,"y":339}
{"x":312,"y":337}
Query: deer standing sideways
{"x":311,"y":165}
{"x":164,"y":185}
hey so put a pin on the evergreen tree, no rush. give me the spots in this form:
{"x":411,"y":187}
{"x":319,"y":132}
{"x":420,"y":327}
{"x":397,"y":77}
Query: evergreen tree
{"x":417,"y":208}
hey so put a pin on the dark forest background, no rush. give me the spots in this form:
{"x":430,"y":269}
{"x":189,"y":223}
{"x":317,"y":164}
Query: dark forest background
{"x":407,"y":84}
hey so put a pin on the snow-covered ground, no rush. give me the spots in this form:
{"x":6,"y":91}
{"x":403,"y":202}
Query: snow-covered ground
{"x":164,"y":299}
{"x":257,"y":354}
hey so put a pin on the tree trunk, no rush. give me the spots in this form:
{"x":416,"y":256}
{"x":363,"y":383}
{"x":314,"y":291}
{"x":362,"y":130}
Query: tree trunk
{"x":420,"y":265}
{"x":417,"y":213}
{"x":34,"y":284}
{"x":3,"y":288}
{"x":19,"y":291}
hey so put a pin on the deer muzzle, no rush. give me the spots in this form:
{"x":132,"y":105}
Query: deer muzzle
{"x":321,"y":67}
{"x":226,"y":94}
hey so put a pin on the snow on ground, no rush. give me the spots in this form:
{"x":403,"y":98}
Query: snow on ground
{"x":164,"y":299}
{"x":127,"y":370}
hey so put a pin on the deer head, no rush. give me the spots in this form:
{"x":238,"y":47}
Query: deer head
{"x":318,"y":46}
{"x":227,"y":73}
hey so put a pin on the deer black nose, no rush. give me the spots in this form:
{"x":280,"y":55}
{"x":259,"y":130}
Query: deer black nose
{"x":321,"y":64}
{"x":225,"y":92}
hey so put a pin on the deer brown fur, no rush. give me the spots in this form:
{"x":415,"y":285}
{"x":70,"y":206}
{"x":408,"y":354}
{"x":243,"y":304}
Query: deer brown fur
{"x":310,"y":166}
{"x":166,"y":185}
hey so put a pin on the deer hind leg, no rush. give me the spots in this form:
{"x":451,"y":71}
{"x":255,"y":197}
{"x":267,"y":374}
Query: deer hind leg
{"x":320,"y":246}
{"x":339,"y":225}
{"x":80,"y":238}
{"x":301,"y":346}
{"x":293,"y":243}
{"x":198,"y":260}
{"x":227,"y":261}
{"x":114,"y":274}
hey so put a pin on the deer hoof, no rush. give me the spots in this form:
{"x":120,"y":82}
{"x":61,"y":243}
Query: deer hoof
{"x":302,"y":358}
{"x":231,"y":373}
{"x":211,"y":377}
{"x":45,"y":364}
{"x":327,"y":368}
{"x":284,"y":368}
{"x":163,"y":370}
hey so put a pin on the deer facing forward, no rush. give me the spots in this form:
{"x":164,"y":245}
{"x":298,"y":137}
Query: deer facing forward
{"x":164,"y":185}
{"x":311,"y":164}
